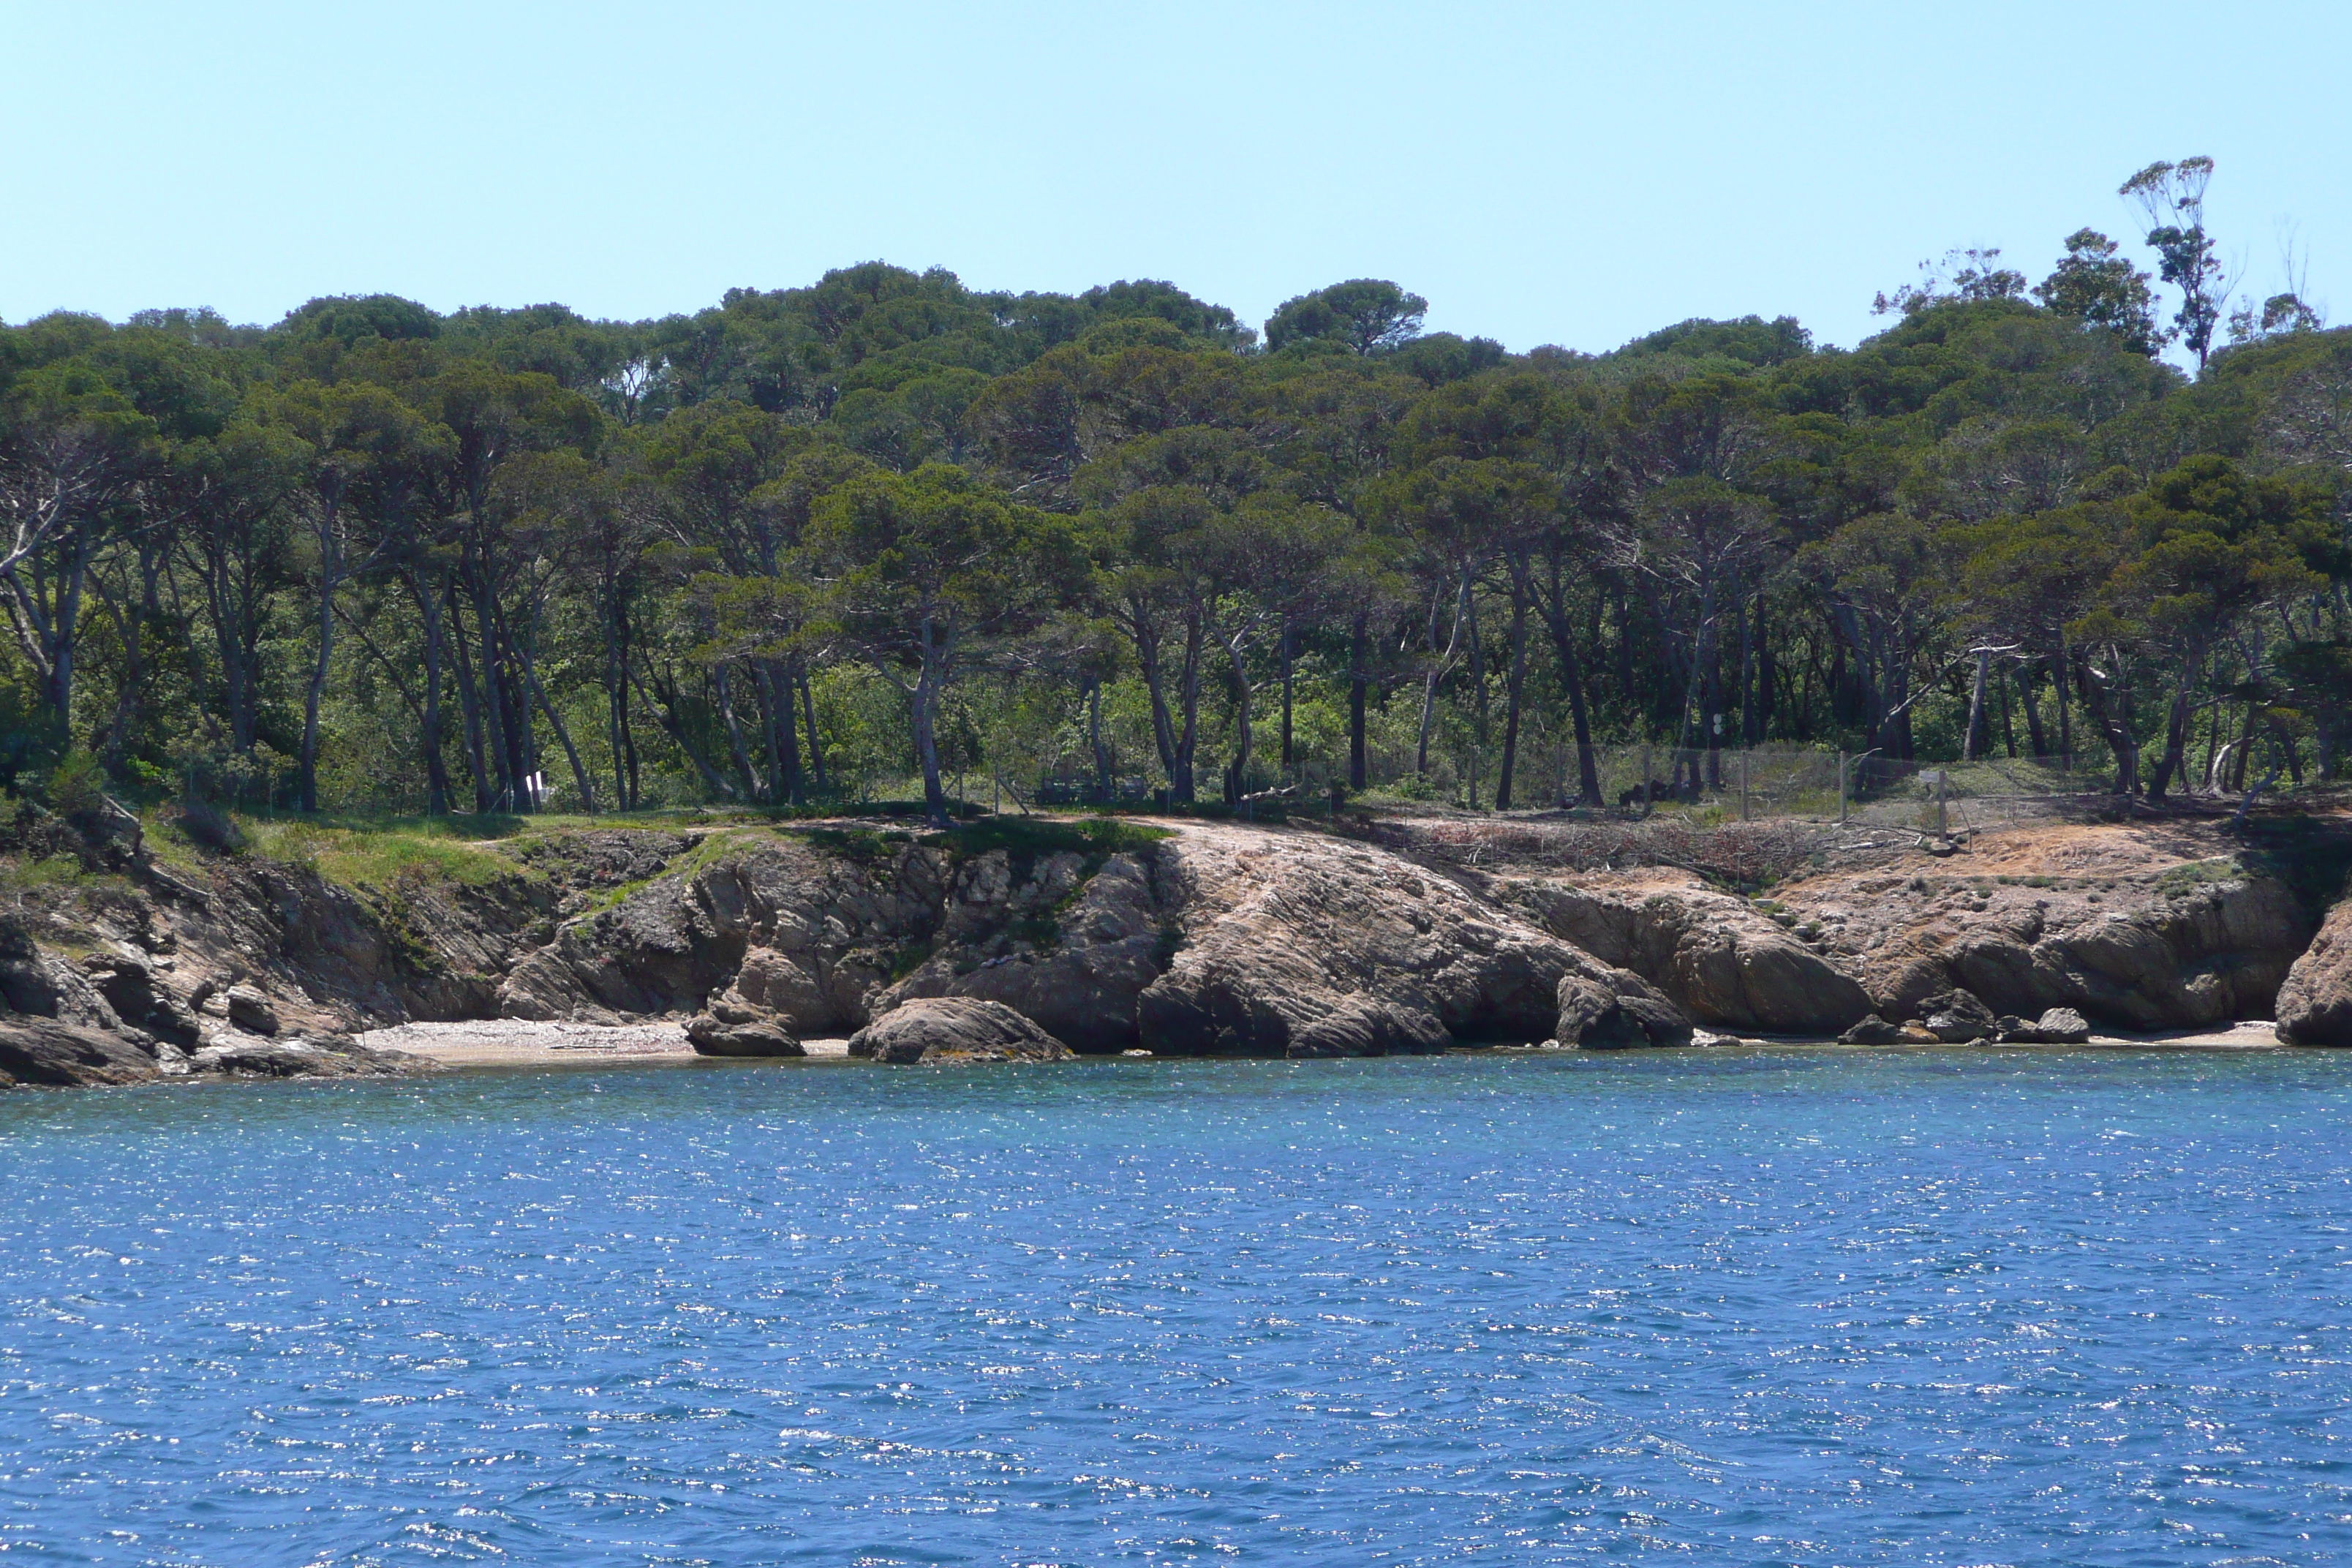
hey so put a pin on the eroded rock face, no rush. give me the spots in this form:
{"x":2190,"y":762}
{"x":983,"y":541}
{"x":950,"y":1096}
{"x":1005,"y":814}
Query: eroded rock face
{"x":2145,"y":955}
{"x":1304,"y":946}
{"x":954,"y":1029}
{"x":2314,"y":1002}
{"x":36,"y":1050}
{"x":1082,"y":986}
{"x":1716,"y":958}
{"x":248,"y":1055}
{"x":1626,"y":1012}
{"x":833,"y":928}
{"x":743,"y":1023}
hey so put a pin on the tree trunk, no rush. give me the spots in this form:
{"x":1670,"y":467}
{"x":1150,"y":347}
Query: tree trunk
{"x":1973,"y":744}
{"x":1288,"y":639}
{"x":927,"y":748}
{"x":436,"y":769}
{"x":616,"y":706}
{"x":2176,"y":737}
{"x":329,"y":568}
{"x":571,"y":752}
{"x":1359,"y":680}
{"x":1439,"y":664}
{"x":470,"y":706}
{"x":666,"y":715}
{"x":2111,"y":711}
{"x":1106,"y":786}
{"x":2062,"y":679}
{"x":753,"y":787}
{"x":815,"y":742}
{"x":1514,"y":680}
{"x":2034,"y":735}
{"x":1244,"y":737}
{"x":1188,"y":738}
{"x":1571,"y":678}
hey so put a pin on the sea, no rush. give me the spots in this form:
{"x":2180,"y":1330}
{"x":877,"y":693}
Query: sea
{"x":1781,"y":1306}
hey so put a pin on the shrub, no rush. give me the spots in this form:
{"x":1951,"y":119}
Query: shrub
{"x":77,"y":787}
{"x":210,"y":827}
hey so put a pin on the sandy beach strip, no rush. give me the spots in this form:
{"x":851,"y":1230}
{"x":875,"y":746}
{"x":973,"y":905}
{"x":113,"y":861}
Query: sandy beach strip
{"x":517,"y":1042}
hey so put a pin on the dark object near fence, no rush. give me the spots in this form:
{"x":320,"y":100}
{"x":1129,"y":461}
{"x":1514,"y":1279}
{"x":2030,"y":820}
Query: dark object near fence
{"x":1652,"y":792}
{"x":1087,"y":792}
{"x":210,"y":827}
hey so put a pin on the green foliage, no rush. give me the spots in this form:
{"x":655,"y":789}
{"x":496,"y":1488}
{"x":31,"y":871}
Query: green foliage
{"x":887,"y":534}
{"x":76,"y":788}
{"x":2099,"y":288}
{"x":1028,"y":837}
{"x":1364,"y":315}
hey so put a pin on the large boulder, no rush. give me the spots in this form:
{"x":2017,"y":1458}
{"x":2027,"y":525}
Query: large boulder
{"x":2314,"y":1002}
{"x":1617,"y":1008}
{"x":36,"y":1050}
{"x":948,"y":1029}
{"x":251,"y":1011}
{"x":1957,"y":1017}
{"x":2056,"y":1027}
{"x":1873,"y":1030}
{"x":736,"y":1024}
{"x":1300,"y":945}
{"x":251,"y":1055}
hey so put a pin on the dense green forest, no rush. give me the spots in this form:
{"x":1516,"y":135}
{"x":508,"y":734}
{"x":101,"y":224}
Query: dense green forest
{"x":816,"y":543}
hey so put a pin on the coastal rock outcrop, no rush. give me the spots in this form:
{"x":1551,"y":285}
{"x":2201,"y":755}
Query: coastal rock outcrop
{"x":1305,"y":946}
{"x":831,"y":925}
{"x":954,"y":1029}
{"x":1719,"y":959}
{"x":37,"y":1050}
{"x":1096,"y":943}
{"x":752,"y":1017}
{"x":2314,"y":1001}
{"x":1627,"y":1011}
{"x":2170,"y":949}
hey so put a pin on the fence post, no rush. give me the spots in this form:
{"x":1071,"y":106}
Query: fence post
{"x":1745,"y":753}
{"x":1841,"y":786}
{"x":1646,"y":780}
{"x":1943,"y":778}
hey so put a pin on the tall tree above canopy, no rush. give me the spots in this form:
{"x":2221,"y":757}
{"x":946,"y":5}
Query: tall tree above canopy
{"x":1364,"y":315}
{"x":2099,"y":288}
{"x":1965,"y":275}
{"x":2173,"y":197}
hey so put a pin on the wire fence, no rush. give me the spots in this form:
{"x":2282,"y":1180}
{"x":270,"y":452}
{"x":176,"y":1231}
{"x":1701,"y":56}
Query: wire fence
{"x":1702,"y":788}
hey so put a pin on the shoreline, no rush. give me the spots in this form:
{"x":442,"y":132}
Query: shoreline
{"x":517,"y":1042}
{"x":513,"y":1042}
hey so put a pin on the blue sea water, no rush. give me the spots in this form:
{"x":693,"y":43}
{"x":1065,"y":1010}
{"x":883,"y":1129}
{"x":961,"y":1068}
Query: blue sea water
{"x":1724,"y":1308}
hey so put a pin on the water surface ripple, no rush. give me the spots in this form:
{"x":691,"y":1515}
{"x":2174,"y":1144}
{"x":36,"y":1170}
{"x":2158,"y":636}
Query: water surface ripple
{"x":1732,"y":1308}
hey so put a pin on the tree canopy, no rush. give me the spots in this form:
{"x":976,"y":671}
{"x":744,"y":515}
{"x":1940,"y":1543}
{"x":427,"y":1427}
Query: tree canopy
{"x":812,"y":542}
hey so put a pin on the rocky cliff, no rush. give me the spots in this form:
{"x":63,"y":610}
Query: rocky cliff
{"x":1192,"y":938}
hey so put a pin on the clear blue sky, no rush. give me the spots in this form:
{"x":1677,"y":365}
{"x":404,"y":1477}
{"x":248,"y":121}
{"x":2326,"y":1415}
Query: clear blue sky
{"x":1543,"y":174}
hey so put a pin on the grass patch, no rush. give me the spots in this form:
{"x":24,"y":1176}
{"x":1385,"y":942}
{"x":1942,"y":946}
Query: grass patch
{"x":713,"y":848}
{"x":2180,"y":881}
{"x":50,"y":871}
{"x":1027,"y":837}
{"x":863,"y":844}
